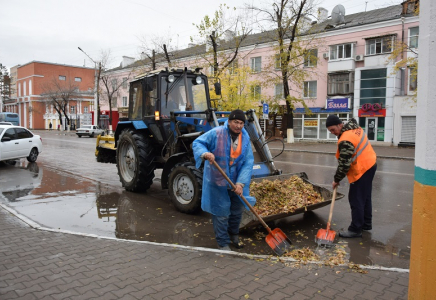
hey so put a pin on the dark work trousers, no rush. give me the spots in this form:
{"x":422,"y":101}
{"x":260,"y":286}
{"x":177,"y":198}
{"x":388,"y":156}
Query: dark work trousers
{"x":359,"y":197}
{"x":223,"y":226}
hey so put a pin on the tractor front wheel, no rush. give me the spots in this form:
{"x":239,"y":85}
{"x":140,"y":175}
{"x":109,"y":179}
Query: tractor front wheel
{"x":185,"y":186}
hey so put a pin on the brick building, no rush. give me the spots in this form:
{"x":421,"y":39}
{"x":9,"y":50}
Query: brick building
{"x":35,"y":80}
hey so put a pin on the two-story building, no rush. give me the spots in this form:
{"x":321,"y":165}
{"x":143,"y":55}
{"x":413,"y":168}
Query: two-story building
{"x":37,"y":82}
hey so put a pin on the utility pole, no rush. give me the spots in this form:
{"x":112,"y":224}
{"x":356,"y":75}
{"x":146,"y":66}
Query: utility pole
{"x":96,"y":88}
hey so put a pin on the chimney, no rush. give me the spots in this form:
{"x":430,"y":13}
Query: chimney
{"x":127,"y":61}
{"x":305,"y":23}
{"x":410,"y":6}
{"x":322,"y":14}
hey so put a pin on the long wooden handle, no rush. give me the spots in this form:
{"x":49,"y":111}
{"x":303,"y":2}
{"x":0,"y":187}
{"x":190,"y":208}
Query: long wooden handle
{"x":242,"y":196}
{"x":331,"y":207}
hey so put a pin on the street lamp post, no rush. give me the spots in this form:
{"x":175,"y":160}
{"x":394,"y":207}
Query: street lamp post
{"x":96,"y":87}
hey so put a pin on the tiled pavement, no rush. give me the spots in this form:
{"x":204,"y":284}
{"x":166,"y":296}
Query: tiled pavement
{"x":41,"y":264}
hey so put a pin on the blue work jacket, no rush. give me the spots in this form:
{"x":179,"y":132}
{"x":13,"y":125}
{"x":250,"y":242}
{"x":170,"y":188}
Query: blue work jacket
{"x":215,"y":198}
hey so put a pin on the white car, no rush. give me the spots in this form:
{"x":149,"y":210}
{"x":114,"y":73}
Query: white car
{"x":18,"y":142}
{"x":89,"y":130}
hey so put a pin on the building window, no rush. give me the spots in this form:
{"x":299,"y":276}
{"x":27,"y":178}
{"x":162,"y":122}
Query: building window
{"x":278,"y":90}
{"x":413,"y":37}
{"x":311,"y":58}
{"x":256,"y":64}
{"x":114,"y":101}
{"x":78,"y":79}
{"x":413,"y":80}
{"x":125,"y":83}
{"x":62,"y":77}
{"x":85,"y":109}
{"x":341,"y":51}
{"x":114,"y":84}
{"x":124,"y":101}
{"x":309,"y":90}
{"x":340,"y":83}
{"x":373,"y":86}
{"x":72,"y":109}
{"x":277,"y":62}
{"x":233,"y":67}
{"x":256,"y":91}
{"x":379,"y":45}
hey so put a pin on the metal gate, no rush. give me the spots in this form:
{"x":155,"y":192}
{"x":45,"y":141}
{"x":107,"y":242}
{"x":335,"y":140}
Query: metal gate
{"x":408,"y":129}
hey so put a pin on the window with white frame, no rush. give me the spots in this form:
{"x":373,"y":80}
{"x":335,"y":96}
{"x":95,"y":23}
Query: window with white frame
{"x":413,"y":37}
{"x":341,"y":51}
{"x":125,"y":83}
{"x":311,"y":58}
{"x":124,"y":101}
{"x":309,"y":90}
{"x":72,"y":109}
{"x":256,"y":91}
{"x":278,"y":90}
{"x":85,"y":109}
{"x":62,"y":77}
{"x":379,"y":45}
{"x":78,"y":79}
{"x":413,"y":80}
{"x":256,"y":64}
{"x":114,"y":101}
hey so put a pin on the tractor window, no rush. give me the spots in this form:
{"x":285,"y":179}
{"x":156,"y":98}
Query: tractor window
{"x":176,"y":100}
{"x":199,"y":95}
{"x":142,"y":103}
{"x":135,"y":105}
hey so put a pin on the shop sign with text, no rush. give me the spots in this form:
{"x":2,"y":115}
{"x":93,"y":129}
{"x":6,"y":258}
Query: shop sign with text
{"x":310,"y":123}
{"x":339,"y":103}
{"x":372,"y":110}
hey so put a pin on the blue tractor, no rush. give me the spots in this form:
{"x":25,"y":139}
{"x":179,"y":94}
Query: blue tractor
{"x":168,"y":110}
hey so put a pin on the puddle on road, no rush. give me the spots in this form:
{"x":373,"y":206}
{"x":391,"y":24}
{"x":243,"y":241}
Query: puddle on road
{"x":64,"y":201}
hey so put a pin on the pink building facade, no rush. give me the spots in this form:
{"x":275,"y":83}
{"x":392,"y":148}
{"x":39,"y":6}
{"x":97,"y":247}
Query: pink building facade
{"x":353,"y":76}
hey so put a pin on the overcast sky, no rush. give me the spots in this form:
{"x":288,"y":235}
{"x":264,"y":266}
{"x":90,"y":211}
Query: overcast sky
{"x":51,"y":30}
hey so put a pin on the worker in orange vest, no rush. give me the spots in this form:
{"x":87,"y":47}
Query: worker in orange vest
{"x":230,"y":146}
{"x":358,"y":161}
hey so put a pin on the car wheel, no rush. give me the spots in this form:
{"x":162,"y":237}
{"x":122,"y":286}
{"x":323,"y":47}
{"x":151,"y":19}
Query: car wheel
{"x":135,"y":161}
{"x":185,"y":186}
{"x":33,"y":155}
{"x":91,"y":135}
{"x":79,"y":135}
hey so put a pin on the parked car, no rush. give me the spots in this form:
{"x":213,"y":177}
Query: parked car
{"x":89,"y":130}
{"x":6,"y":123}
{"x":18,"y":142}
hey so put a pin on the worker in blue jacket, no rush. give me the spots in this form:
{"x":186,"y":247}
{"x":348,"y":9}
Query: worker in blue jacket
{"x":229,"y":145}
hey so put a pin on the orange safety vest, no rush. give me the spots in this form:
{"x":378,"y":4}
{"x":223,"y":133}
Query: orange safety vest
{"x":234,"y":154}
{"x":363,"y":157}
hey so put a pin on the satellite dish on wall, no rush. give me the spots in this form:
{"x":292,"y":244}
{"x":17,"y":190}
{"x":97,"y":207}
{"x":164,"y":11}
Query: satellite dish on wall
{"x":338,"y":14}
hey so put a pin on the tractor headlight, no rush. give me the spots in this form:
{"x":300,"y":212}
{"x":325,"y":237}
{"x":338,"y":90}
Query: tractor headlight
{"x":171,"y":78}
{"x":198,"y":80}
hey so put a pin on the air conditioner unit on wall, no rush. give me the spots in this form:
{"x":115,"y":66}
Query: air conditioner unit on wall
{"x":325,"y":55}
{"x":359,"y":57}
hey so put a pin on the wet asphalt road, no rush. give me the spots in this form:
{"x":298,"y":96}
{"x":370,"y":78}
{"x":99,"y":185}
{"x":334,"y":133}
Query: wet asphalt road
{"x":67,"y":189}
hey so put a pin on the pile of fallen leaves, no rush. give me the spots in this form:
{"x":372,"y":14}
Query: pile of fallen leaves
{"x":303,"y":255}
{"x":273,"y":197}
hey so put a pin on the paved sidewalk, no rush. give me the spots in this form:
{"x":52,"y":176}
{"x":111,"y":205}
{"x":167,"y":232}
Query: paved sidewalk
{"x":41,"y":264}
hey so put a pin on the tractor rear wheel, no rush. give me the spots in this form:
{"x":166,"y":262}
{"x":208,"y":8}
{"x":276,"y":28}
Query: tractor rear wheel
{"x":135,"y":161}
{"x":185,"y":186}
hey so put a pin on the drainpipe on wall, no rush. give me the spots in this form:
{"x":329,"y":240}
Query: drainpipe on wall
{"x":402,"y":73}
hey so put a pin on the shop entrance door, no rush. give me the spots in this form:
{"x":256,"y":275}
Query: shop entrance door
{"x":371,"y":128}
